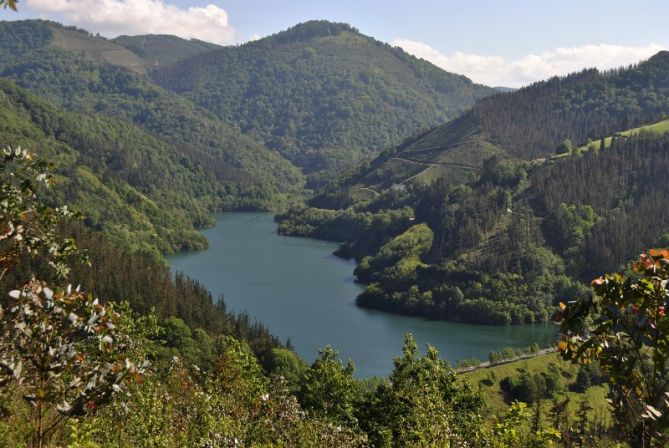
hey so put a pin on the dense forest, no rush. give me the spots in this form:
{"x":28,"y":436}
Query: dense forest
{"x":322,"y":94}
{"x":150,"y":167}
{"x":78,"y":82}
{"x":194,"y":160}
{"x":534,"y":216}
{"x":529,"y":123}
{"x":172,"y":369}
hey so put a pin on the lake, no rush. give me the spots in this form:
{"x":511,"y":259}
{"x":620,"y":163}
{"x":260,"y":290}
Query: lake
{"x":299,"y":290}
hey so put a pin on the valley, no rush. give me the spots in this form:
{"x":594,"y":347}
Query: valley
{"x":317,"y":236}
{"x":300,"y":291}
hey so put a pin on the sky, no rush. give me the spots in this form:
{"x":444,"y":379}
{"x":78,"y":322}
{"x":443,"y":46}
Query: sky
{"x":495,"y":42}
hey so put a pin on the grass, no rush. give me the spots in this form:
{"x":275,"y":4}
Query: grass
{"x":661,"y":127}
{"x":489,"y":381}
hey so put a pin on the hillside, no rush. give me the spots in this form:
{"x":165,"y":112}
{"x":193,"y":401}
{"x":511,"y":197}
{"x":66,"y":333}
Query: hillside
{"x":493,"y":382}
{"x":525,"y":124}
{"x":130,"y":185}
{"x":373,"y":97}
{"x":226,"y":170}
{"x":478,"y":220}
{"x":322,"y":94}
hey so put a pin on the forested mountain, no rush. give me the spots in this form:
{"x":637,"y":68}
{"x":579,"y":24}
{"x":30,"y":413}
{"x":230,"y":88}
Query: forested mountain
{"x":529,"y":123}
{"x":321,"y":93}
{"x":130,"y":184}
{"x":480,"y":220}
{"x":344,"y":107}
{"x":134,"y":138}
{"x":78,"y":82}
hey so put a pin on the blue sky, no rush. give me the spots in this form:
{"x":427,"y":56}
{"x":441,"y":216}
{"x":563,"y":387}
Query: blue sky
{"x":504,"y":42}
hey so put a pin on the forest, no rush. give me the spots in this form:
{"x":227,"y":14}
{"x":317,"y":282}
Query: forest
{"x":321,"y":94}
{"x":526,"y":229}
{"x":169,"y":368}
{"x":114,"y":152}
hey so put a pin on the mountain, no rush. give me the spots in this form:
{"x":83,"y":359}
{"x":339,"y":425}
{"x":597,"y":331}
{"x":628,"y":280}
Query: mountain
{"x":192,"y":161}
{"x":245,"y":121}
{"x":527,"y":124}
{"x":321,"y":94}
{"x":130,"y":185}
{"x":80,"y":82}
{"x":495,"y":216}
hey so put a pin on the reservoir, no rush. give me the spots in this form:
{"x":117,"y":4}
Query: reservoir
{"x":299,"y":290}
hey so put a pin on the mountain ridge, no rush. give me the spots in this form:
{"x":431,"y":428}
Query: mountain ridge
{"x":321,"y":94}
{"x":528,"y":123}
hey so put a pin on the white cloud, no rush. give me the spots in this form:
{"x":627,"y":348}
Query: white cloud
{"x":497,"y":71}
{"x":114,"y":17}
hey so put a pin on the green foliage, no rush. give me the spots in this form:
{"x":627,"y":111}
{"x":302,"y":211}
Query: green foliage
{"x":566,"y":147}
{"x":530,"y":388}
{"x":364,"y":231}
{"x":29,"y":226}
{"x":422,"y":405}
{"x":397,"y":260}
{"x":512,"y":431}
{"x":62,"y":349}
{"x":328,"y":388}
{"x":288,"y":365}
{"x":624,"y":328}
{"x":322,"y":94}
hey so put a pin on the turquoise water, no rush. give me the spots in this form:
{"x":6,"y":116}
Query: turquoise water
{"x":299,"y":290}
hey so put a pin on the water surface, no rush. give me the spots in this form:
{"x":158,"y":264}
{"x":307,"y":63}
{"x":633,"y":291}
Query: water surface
{"x":299,"y":290}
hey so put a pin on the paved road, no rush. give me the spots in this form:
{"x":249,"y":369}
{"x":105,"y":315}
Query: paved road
{"x":487,"y":364}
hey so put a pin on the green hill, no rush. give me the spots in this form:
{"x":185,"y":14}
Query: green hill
{"x":162,"y":163}
{"x":491,"y":380}
{"x":512,"y":228}
{"x":129,"y":184}
{"x":525,"y":124}
{"x":251,"y":175}
{"x":322,"y":94}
